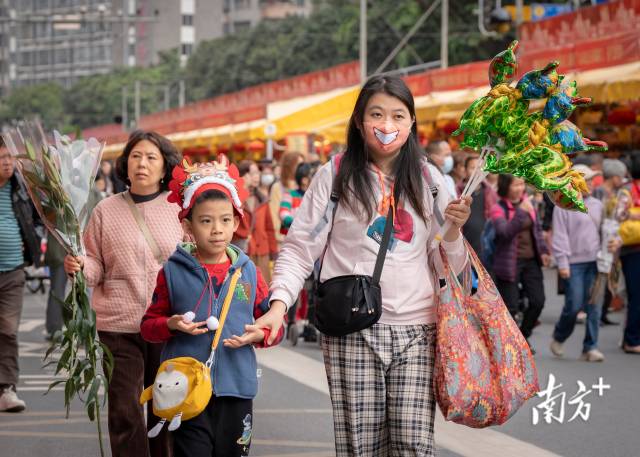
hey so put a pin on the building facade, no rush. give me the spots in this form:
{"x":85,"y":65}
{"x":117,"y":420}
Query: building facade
{"x":64,"y":40}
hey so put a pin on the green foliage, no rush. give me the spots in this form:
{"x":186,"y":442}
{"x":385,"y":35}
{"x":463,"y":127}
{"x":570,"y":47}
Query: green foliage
{"x":270,"y":51}
{"x":45,"y":100}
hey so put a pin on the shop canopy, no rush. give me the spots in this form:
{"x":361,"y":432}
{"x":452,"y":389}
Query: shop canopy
{"x":328,"y":113}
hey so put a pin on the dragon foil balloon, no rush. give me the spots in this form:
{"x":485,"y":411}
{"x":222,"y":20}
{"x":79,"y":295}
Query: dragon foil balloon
{"x":531,"y":145}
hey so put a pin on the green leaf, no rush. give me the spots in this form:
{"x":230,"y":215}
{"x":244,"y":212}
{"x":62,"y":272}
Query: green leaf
{"x":53,"y":384}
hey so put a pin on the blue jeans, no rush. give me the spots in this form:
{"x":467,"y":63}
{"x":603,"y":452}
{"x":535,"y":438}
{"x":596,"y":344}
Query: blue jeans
{"x":577,"y":289}
{"x":631,"y":269}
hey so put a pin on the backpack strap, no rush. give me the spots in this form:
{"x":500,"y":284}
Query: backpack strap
{"x":332,"y":206}
{"x":434,"y":192}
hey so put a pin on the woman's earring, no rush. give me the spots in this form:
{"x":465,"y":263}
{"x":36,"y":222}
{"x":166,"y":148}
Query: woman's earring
{"x":162,"y":181}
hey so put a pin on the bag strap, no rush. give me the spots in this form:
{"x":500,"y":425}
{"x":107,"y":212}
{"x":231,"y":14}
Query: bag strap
{"x":155,"y":250}
{"x":384,"y":244}
{"x":382,"y":252}
{"x":223,"y":314}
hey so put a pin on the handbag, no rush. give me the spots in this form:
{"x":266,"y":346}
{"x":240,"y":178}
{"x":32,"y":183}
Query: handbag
{"x":182,"y":387}
{"x":484,"y":371}
{"x":151,"y":242}
{"x":350,"y":303}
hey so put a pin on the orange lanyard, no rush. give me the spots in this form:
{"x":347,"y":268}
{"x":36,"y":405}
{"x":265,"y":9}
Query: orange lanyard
{"x":387,"y":199}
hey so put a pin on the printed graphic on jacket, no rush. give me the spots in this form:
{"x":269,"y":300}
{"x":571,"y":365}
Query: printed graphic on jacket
{"x":402,"y":229}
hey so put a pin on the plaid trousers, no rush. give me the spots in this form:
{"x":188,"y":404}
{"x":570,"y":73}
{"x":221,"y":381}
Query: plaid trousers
{"x":380,"y":381}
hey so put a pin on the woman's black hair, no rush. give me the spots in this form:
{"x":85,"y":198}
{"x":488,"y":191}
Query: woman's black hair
{"x":504,"y":182}
{"x":302,"y":171}
{"x":353,"y":183}
{"x":169,"y":153}
{"x":211,"y":194}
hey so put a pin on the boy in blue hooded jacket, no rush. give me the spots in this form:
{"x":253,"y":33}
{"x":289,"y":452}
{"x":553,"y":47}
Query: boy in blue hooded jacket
{"x":187,"y":302}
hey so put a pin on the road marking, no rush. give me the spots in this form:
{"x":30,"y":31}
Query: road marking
{"x":40,"y":376}
{"x":466,"y":441}
{"x":297,"y":454}
{"x":41,"y":434}
{"x":29,"y":325}
{"x":290,"y":443}
{"x":31,"y":423}
{"x":32,"y":350}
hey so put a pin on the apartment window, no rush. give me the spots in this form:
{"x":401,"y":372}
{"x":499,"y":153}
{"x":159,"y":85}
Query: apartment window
{"x":25,"y":59}
{"x":132,"y":49}
{"x":187,"y":19}
{"x":241,"y":26}
{"x":43,"y":57}
{"x":225,"y":29}
{"x":63,"y":56}
{"x":82,"y":54}
{"x":187,"y":49}
{"x":242,"y":4}
{"x":226,"y":7}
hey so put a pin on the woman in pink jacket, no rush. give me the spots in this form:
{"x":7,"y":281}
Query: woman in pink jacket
{"x":121,"y":267}
{"x":379,"y":377}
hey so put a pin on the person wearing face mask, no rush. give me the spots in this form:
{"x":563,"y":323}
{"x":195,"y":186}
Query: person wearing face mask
{"x":439,"y":152}
{"x":267,"y":179}
{"x":614,"y":172}
{"x":383,"y":172}
{"x":520,"y":251}
{"x":255,"y":234}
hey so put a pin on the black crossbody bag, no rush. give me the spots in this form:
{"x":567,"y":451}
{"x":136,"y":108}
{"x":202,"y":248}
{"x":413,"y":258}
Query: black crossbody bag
{"x":348,"y":304}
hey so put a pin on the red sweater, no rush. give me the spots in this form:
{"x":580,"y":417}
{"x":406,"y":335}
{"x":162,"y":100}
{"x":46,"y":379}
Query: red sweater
{"x":154,"y":326}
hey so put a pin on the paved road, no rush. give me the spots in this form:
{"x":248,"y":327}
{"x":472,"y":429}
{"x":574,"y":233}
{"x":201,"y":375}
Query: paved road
{"x":293,"y":416}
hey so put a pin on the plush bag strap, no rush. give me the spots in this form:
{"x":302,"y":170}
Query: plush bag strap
{"x":223,"y":314}
{"x":151,"y":242}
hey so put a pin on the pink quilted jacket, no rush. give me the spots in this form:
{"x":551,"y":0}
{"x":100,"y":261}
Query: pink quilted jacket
{"x":120,"y":265}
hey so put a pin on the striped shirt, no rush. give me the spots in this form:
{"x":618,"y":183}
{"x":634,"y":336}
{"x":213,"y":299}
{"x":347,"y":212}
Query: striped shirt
{"x":291,"y":200}
{"x":10,"y":239}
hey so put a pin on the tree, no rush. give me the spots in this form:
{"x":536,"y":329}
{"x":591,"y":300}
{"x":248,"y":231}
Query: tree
{"x":43,"y":100}
{"x":329,"y":36}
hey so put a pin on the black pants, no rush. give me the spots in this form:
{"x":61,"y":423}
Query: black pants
{"x":223,"y":429}
{"x":135,"y":363}
{"x":529,"y":274}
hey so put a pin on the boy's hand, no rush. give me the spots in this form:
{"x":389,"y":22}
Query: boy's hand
{"x":177,"y":322}
{"x":252,"y":334}
{"x":273,"y":320}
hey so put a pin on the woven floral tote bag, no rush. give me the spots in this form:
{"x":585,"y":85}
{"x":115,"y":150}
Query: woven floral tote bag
{"x":484,"y":370}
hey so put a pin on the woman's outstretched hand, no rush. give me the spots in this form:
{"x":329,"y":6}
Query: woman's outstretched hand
{"x":252,"y":335}
{"x":457,"y":212}
{"x":273,"y":319}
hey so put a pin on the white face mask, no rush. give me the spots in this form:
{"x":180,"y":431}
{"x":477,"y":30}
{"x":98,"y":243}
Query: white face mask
{"x":267,"y":180}
{"x":448,"y":165}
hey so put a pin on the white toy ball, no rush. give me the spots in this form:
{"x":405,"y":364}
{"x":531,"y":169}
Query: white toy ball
{"x":188,"y":317}
{"x":212,"y":323}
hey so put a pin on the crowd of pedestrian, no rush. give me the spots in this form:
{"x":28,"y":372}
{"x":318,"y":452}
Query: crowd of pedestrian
{"x":149,"y":262}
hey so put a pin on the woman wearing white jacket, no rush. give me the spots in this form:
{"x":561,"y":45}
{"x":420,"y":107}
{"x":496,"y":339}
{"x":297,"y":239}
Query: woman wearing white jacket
{"x":379,"y":377}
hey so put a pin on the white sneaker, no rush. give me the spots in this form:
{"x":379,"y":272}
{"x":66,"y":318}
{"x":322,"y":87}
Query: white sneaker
{"x":9,"y":401}
{"x":592,"y":356}
{"x":556,"y":348}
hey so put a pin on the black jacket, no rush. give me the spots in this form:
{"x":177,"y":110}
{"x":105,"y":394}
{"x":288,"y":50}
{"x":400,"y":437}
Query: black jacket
{"x":31,"y":228}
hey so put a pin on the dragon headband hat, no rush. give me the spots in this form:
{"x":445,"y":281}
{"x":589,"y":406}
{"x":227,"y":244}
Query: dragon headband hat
{"x":191,"y":180}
